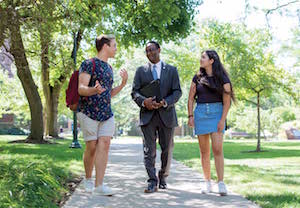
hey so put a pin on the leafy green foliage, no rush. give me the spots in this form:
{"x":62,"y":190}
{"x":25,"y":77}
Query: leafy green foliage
{"x":36,"y":175}
{"x":243,"y":117}
{"x":140,"y":21}
{"x":49,"y":26}
{"x":246,"y":55}
{"x":31,"y":184}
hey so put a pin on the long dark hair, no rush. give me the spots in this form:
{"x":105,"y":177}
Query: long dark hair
{"x":218,"y":71}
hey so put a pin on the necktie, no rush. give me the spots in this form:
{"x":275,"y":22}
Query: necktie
{"x":154,"y":72}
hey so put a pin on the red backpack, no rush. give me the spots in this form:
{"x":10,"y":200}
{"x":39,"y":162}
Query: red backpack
{"x":72,"y":96}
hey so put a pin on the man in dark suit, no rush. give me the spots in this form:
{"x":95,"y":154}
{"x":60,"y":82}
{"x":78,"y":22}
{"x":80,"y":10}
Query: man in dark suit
{"x":157,"y":118}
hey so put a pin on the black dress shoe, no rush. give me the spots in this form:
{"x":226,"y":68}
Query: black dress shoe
{"x":162,"y":184}
{"x":151,"y":188}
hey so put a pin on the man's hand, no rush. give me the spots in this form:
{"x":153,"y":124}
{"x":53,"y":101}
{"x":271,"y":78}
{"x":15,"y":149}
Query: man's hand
{"x":159,"y":105}
{"x":151,"y":104}
{"x":148,"y":102}
{"x":124,"y":76}
{"x":98,"y":88}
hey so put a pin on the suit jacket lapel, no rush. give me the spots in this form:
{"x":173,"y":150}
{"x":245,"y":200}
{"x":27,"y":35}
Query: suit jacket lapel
{"x":163,"y":72}
{"x":148,"y":71}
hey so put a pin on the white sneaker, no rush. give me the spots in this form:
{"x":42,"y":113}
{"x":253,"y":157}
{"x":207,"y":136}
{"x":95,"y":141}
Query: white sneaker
{"x":206,"y":187}
{"x":222,"y":188}
{"x":88,"y":185}
{"x":104,"y":190}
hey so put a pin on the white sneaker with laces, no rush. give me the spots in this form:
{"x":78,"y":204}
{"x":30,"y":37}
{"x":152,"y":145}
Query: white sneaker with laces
{"x":222,"y":188}
{"x":88,"y":185}
{"x":206,"y":187}
{"x":104,"y":190}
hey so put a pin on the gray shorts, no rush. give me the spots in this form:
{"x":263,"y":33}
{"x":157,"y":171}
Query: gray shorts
{"x":92,"y":129}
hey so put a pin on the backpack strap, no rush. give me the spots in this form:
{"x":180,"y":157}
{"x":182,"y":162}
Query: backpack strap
{"x":94,"y":68}
{"x":94,"y":65}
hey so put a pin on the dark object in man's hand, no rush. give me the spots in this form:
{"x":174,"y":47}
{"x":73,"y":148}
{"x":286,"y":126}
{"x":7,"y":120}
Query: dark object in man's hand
{"x":152,"y":90}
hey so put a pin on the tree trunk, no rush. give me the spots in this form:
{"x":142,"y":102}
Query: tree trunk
{"x":52,"y":116}
{"x":44,"y":40}
{"x":25,"y":76}
{"x":258,"y":124}
{"x":51,"y":108}
{"x":45,"y":121}
{"x":52,"y":93}
{"x":182,"y":128}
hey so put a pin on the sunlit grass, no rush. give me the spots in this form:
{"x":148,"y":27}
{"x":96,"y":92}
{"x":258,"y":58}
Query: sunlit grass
{"x":270,"y":178}
{"x":34,"y":175}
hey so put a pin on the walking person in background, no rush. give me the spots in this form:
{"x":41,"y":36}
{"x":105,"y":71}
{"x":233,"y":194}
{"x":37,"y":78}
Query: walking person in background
{"x":94,"y":111}
{"x":212,"y":89}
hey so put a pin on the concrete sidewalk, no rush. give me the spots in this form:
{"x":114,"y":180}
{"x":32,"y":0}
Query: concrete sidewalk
{"x":126,"y":173}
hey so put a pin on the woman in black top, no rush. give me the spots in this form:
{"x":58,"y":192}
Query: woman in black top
{"x":212,"y":89}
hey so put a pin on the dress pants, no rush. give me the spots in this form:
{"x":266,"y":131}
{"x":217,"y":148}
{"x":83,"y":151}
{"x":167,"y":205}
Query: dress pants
{"x":153,"y":130}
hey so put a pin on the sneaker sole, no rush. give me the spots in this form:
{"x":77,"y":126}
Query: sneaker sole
{"x":206,"y":192}
{"x":103,"y":194}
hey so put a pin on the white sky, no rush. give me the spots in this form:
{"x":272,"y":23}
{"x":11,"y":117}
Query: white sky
{"x":234,"y":11}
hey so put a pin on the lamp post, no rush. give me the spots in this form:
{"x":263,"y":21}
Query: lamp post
{"x":75,"y":143}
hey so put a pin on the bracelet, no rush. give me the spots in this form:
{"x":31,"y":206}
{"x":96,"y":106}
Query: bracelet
{"x":191,"y":116}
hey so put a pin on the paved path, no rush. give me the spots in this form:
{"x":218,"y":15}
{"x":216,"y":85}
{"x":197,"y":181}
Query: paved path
{"x":126,"y":173}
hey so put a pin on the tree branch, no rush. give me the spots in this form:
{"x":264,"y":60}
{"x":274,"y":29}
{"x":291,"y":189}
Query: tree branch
{"x":78,"y":40}
{"x":250,"y":101}
{"x":269,"y":11}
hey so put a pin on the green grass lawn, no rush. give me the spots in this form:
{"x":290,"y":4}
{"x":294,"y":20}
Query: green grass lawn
{"x":33,"y":175}
{"x":270,"y":178}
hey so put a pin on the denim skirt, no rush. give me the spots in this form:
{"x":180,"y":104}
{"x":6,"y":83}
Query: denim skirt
{"x":207,"y":117}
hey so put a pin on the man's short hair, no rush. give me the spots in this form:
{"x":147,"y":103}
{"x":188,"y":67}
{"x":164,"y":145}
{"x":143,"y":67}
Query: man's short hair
{"x":103,"y":39}
{"x":155,"y":43}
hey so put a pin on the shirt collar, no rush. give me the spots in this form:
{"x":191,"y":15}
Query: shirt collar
{"x":158,"y":65}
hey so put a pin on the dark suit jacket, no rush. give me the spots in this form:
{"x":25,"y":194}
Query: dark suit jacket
{"x":170,"y":91}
